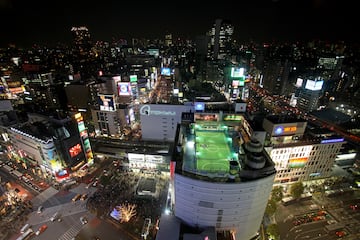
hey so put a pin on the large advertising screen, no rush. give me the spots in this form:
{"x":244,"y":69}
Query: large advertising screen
{"x":237,"y":72}
{"x":133,"y":78}
{"x":199,"y":106}
{"x":314,"y":85}
{"x":154,"y":159}
{"x":153,"y":51}
{"x":238,"y":83}
{"x":75,"y":150}
{"x":297,"y":162}
{"x":299,"y":82}
{"x":232,"y":117}
{"x":106,"y":102}
{"x":165,"y":71}
{"x":206,"y":117}
{"x":124,"y":88}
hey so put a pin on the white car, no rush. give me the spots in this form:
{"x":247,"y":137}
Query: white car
{"x":83,"y":220}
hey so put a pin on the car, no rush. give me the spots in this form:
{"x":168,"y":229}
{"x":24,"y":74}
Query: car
{"x":95,"y":183}
{"x":54,"y":217}
{"x":40,"y":209}
{"x":83,"y":220}
{"x":83,"y":196}
{"x":41,"y":229}
{"x":340,"y":233}
{"x":76,"y":197}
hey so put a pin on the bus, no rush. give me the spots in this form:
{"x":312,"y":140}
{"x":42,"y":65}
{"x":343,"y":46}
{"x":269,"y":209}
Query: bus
{"x":8,"y":168}
{"x":24,"y":228}
{"x":305,"y":197}
{"x":17,"y":173}
{"x":26,"y":235}
{"x":288,"y":200}
{"x":146,"y":228}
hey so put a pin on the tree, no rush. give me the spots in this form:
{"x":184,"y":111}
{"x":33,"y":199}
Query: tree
{"x":297,"y":189}
{"x":104,"y":180}
{"x":273,"y":231}
{"x":277,"y":193}
{"x":127,"y":211}
{"x":271,"y":207}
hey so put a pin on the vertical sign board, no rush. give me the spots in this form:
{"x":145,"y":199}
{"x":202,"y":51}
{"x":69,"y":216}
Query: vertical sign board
{"x":84,"y":139}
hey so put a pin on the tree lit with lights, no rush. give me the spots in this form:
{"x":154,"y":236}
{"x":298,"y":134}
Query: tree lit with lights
{"x":127,"y":212}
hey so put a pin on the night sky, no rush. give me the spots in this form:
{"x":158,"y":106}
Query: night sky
{"x":25,"y":22}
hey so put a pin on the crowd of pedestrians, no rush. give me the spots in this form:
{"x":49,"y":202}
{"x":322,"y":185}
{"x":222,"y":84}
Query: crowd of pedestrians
{"x":118,"y":187}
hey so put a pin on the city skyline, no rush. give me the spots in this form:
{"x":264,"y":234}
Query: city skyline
{"x":45,"y":22}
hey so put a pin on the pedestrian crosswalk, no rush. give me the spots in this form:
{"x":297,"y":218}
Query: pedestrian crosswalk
{"x":44,"y":196}
{"x":71,"y":232}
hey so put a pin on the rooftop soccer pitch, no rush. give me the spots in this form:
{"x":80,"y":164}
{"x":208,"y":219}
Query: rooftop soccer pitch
{"x":213,"y":151}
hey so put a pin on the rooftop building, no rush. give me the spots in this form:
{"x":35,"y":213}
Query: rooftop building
{"x":217,"y":182}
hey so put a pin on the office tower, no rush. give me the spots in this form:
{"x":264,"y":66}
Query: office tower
{"x":309,"y":95}
{"x":168,"y":40}
{"x":82,"y":40}
{"x":276,"y":74}
{"x":84,"y":66}
{"x":220,"y":39}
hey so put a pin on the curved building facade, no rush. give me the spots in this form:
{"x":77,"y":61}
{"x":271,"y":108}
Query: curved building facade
{"x":219,"y":183}
{"x":238,"y":206}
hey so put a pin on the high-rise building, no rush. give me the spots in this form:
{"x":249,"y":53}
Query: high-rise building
{"x":34,"y":147}
{"x":82,"y":40}
{"x":168,"y":40}
{"x":220,"y":39}
{"x":276,"y":75}
{"x":84,"y":54}
{"x":308,"y":99}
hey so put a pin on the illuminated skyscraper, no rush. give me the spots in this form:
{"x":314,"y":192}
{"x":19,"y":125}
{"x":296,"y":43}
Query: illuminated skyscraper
{"x":83,"y":53}
{"x":220,"y":39}
{"x":82,"y":40}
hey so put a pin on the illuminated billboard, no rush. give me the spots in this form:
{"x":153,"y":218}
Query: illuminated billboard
{"x":116,"y":213}
{"x":84,"y":139}
{"x":334,"y":140}
{"x":285,"y":130}
{"x":133,"y":78}
{"x":62,"y":175}
{"x":297,"y":162}
{"x":299,"y":82}
{"x":237,"y":72}
{"x":232,"y":117}
{"x":75,"y":150}
{"x":153,"y":51}
{"x":165,"y":71}
{"x":106,"y":102}
{"x":206,"y":117}
{"x":314,"y":85}
{"x":238,"y":83}
{"x":131,"y":115}
{"x":199,"y":106}
{"x":124,"y":88}
{"x":327,"y":63}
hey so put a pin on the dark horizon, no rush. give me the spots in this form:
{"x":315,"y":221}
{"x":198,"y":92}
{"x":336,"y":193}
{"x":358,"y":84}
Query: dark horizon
{"x":46,"y":23}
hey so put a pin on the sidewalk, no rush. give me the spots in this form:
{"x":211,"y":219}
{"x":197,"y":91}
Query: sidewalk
{"x":119,"y":226}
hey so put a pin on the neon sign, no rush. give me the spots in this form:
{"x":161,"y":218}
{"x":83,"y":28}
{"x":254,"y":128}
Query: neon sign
{"x":279,"y":130}
{"x":146,"y":110}
{"x":332,"y":140}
